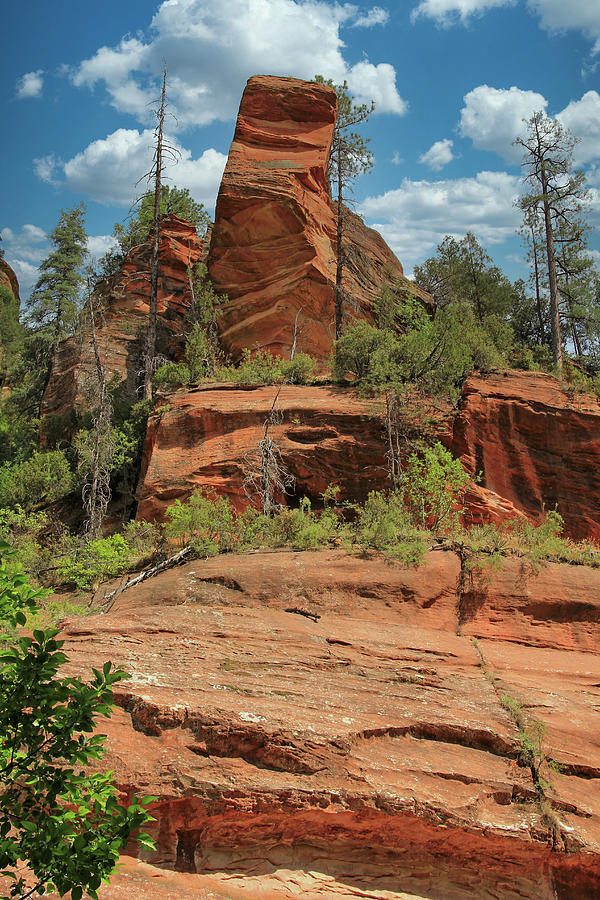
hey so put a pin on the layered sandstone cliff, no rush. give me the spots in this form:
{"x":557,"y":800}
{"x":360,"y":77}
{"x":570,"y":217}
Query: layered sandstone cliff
{"x":320,"y":725}
{"x":534,"y":443}
{"x":273,"y":247}
{"x":122,"y":323}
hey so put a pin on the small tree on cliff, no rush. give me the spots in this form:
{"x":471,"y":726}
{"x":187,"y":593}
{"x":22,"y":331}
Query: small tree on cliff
{"x":349,"y":158}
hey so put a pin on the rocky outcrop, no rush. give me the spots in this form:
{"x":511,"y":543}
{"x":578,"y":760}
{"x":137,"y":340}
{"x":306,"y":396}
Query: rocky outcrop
{"x":122,"y":326}
{"x":321,"y":725}
{"x":327,"y":435}
{"x":8,"y":278}
{"x":273,"y":246}
{"x":536,"y":444}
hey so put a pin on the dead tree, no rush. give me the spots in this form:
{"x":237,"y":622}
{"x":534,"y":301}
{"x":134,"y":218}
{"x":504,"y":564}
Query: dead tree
{"x":162,"y":150}
{"x":96,"y":457}
{"x":267,"y":476}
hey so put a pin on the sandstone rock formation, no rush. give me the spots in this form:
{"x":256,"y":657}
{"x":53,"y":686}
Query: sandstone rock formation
{"x":122,"y":329}
{"x":8,"y":277}
{"x":327,"y":435}
{"x":536,"y":444}
{"x":319,"y":725}
{"x":273,"y":246}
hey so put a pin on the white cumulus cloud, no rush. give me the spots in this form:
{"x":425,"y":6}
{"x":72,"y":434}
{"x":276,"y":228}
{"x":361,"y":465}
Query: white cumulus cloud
{"x":438,"y":155}
{"x":30,"y":85}
{"x":578,"y":15}
{"x":493,"y":117}
{"x":108,"y":169}
{"x":449,"y":12}
{"x":211,"y":47}
{"x":582,"y":118}
{"x":415,"y":217}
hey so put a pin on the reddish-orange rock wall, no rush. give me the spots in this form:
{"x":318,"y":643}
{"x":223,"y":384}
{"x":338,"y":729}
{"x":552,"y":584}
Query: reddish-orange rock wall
{"x":273,"y":247}
{"x":360,"y":748}
{"x":123,"y":321}
{"x":536,"y":443}
{"x":533,"y":441}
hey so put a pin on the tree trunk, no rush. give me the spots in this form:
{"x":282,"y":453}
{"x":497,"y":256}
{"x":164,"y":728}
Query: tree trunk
{"x":538,"y":299}
{"x":552,"y":280}
{"x":151,"y":334}
{"x":339,"y":266}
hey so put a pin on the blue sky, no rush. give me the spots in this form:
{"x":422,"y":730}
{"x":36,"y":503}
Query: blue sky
{"x":451,"y":79}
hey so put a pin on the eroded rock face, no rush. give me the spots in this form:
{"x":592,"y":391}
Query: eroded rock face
{"x":273,"y":247}
{"x":537,"y":446}
{"x":327,"y":435}
{"x":9,"y":278}
{"x":121,"y":331}
{"x":323,"y":725}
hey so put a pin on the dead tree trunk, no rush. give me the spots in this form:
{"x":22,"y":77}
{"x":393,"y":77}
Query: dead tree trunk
{"x":156,"y":171}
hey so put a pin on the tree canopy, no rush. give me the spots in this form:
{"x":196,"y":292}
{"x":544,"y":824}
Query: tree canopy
{"x":177,"y":201}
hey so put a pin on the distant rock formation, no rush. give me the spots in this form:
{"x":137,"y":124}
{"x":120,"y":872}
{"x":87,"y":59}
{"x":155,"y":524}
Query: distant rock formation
{"x":273,"y":247}
{"x":122,"y":328}
{"x":8,"y":277}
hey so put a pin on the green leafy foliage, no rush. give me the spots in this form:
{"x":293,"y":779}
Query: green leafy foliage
{"x":384,"y":524}
{"x":205,"y":522}
{"x":177,"y":201}
{"x":96,"y":561}
{"x":63,"y":823}
{"x":44,"y":476}
{"x":433,"y":485}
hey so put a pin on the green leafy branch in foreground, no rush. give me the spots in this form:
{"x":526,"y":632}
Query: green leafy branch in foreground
{"x":61,"y":827}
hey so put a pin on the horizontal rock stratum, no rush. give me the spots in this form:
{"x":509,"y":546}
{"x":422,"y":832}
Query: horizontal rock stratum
{"x":319,"y":725}
{"x":534,"y":442}
{"x":273,"y":247}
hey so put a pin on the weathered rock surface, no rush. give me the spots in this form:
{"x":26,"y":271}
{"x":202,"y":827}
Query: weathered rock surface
{"x":534,"y":442}
{"x":121,"y":332}
{"x":537,"y":445}
{"x":327,"y":435}
{"x":273,"y":247}
{"x":9,"y":278}
{"x":361,"y":751}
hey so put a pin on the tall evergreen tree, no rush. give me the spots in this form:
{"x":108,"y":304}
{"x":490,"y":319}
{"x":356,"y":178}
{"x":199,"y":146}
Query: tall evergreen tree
{"x":349,"y":157}
{"x":556,"y":193}
{"x":54,"y":304}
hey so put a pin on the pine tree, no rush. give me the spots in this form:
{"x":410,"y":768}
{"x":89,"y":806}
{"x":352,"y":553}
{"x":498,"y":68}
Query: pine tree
{"x":54,"y":304}
{"x":556,"y":193}
{"x":349,"y":157}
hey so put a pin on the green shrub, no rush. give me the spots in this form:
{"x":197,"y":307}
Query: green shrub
{"x":433,"y":486}
{"x":61,"y":826}
{"x":360,"y":344}
{"x":299,"y":370}
{"x":383,"y":524}
{"x":94,"y":562}
{"x":172,"y":375}
{"x":45,"y":476}
{"x":205,"y":522}
{"x":301,"y":528}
